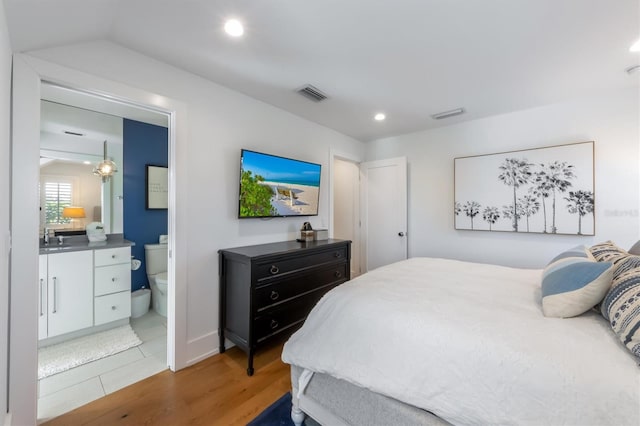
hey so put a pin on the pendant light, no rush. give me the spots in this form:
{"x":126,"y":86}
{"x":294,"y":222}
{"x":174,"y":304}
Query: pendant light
{"x":106,"y":168}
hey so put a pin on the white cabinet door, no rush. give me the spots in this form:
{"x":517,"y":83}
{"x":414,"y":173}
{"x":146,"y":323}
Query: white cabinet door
{"x":113,"y":307}
{"x":113,"y":256}
{"x":42,"y":296}
{"x":112,"y":279}
{"x":70,"y":292}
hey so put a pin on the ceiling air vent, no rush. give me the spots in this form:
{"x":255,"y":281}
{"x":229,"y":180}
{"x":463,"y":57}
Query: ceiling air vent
{"x":447,"y":114}
{"x":312,"y":93}
{"x":632,"y":69}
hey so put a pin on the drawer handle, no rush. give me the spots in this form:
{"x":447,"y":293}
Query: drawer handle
{"x":113,"y":308}
{"x":113,"y":256}
{"x":41,"y":287}
{"x":337,"y":254}
{"x":55,"y":294}
{"x":274,"y":269}
{"x":337,"y":274}
{"x":274,"y":324}
{"x":274,"y":295}
{"x":114,"y":279}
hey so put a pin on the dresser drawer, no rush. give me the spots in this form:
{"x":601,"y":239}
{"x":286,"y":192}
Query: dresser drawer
{"x":112,"y":279}
{"x":291,"y":287}
{"x":269,"y":269}
{"x":286,"y":315}
{"x":112,"y":256}
{"x":112,"y":307}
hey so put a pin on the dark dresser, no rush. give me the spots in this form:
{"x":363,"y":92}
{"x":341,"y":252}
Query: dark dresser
{"x":269,"y":289}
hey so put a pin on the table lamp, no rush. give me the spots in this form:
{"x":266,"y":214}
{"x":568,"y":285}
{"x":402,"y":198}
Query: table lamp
{"x":72,"y":213}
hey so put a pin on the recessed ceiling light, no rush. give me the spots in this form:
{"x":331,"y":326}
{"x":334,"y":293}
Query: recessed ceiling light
{"x":234,"y":28}
{"x":379,"y":116}
{"x":635,"y":47}
{"x":86,"y":162}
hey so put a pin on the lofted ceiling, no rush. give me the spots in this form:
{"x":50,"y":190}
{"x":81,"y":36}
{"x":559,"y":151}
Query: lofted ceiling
{"x":407,"y":58}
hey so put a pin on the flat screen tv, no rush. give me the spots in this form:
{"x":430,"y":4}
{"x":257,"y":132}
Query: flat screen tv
{"x":272,"y":186}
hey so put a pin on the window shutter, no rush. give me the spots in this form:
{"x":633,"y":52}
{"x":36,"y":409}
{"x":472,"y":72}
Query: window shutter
{"x":57,"y":196}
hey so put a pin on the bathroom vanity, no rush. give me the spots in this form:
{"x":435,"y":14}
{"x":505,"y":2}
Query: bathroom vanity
{"x":83,"y":287}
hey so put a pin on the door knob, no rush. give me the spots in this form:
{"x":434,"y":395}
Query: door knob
{"x":401,"y":234}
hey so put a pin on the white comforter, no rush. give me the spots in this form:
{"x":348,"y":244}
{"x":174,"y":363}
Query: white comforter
{"x":469,"y":343}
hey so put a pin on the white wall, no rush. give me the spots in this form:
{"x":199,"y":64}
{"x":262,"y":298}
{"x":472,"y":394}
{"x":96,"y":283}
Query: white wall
{"x":5,"y":99}
{"x":610,"y":119}
{"x":221,"y":121}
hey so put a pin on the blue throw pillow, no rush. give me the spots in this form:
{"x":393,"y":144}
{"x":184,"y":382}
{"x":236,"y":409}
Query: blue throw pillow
{"x":574,"y":282}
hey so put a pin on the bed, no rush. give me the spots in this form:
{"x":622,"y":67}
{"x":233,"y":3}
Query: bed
{"x":437,"y":341}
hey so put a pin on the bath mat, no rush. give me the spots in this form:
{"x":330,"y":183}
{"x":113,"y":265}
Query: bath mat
{"x":63,"y":356}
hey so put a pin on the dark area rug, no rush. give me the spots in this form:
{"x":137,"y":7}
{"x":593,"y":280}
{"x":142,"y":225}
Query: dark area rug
{"x":279,"y":414}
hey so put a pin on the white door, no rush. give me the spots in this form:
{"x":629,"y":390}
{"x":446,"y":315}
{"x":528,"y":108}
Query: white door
{"x":70,"y":292}
{"x":384,"y":211}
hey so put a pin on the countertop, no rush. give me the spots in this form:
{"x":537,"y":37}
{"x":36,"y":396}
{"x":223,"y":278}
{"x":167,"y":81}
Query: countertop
{"x":80,"y":242}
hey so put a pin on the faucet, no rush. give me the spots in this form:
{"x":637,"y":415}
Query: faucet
{"x":46,"y":235}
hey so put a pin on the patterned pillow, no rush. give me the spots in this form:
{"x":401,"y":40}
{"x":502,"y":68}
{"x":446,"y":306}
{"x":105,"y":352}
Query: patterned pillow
{"x":621,"y":306}
{"x":603,"y":251}
{"x":623,"y":263}
{"x":573,"y":282}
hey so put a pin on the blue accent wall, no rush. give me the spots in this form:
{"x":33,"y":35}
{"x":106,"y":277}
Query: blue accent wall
{"x":142,"y":144}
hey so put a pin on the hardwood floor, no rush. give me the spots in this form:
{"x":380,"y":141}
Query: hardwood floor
{"x":216,"y":391}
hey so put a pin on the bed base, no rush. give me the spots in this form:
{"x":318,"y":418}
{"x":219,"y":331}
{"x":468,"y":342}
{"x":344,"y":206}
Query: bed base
{"x":335,"y":402}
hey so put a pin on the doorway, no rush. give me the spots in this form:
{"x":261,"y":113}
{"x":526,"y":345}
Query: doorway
{"x":86,"y":363}
{"x":28,"y":75}
{"x":346,"y":207}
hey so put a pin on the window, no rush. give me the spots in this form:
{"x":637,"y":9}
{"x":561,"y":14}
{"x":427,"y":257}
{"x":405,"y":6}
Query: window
{"x":57,"y":194}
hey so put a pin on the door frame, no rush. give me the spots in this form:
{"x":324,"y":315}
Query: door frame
{"x":342,"y":156}
{"x":28,"y":74}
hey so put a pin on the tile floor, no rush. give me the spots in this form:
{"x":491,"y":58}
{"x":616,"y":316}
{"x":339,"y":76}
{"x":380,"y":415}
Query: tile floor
{"x":70,"y":389}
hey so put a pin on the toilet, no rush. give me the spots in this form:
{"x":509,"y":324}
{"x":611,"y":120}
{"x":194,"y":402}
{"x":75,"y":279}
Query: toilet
{"x":156,"y":265}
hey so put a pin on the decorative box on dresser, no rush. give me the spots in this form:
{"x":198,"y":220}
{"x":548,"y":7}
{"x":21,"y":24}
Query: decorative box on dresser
{"x":269,"y":289}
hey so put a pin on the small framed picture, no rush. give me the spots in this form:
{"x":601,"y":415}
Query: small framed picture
{"x":157,"y":187}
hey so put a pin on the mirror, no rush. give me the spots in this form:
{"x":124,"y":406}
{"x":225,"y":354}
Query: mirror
{"x":71,"y":146}
{"x":74,"y":126}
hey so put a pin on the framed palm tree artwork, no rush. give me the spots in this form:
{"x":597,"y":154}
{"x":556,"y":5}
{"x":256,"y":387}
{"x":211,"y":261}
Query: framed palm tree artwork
{"x":546,"y":190}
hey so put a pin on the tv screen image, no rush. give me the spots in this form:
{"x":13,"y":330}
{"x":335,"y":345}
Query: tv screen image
{"x":273,"y":186}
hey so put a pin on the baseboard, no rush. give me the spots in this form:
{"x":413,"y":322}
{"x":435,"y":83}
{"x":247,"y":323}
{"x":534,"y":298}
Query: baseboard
{"x":81,"y":333}
{"x":204,"y":347}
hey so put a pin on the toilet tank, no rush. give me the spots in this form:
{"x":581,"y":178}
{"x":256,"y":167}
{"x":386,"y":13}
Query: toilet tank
{"x":155,"y":258}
